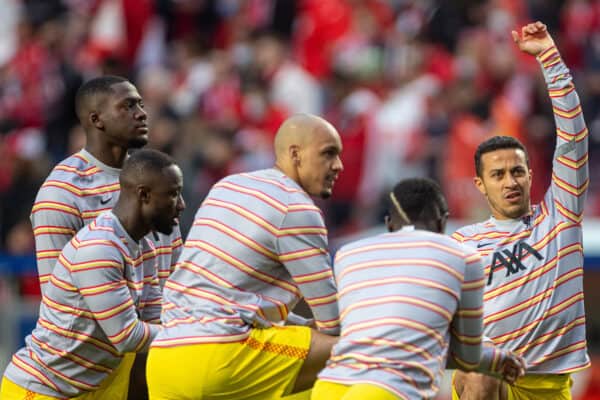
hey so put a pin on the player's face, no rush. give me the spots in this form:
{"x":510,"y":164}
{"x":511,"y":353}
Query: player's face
{"x":125,"y":120}
{"x":166,"y":203}
{"x":319,"y":162}
{"x":506,"y":183}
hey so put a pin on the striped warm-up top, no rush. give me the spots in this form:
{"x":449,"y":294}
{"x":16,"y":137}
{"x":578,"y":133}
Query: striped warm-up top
{"x":77,"y":190}
{"x":101,"y":289}
{"x":258,"y":244}
{"x":534,"y":265}
{"x":408,"y":300}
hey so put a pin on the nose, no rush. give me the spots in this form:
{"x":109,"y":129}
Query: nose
{"x":510,"y":180}
{"x":338,"y":165}
{"x":140,"y":113}
{"x":180,"y":204}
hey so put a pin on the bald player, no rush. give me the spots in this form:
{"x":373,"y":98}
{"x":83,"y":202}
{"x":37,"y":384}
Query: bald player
{"x":103,"y":297}
{"x":257,"y":246}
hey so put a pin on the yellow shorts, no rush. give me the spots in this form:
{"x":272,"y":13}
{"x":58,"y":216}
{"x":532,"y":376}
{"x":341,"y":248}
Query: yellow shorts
{"x":262,"y":367}
{"x":115,"y":386}
{"x":324,"y":390}
{"x":536,"y":387}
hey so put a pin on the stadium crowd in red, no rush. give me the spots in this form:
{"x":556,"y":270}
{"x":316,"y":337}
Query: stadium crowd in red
{"x":411,"y":86}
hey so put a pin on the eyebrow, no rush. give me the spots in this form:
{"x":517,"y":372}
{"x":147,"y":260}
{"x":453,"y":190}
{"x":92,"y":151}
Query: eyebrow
{"x":131,"y":97}
{"x":331,"y":147}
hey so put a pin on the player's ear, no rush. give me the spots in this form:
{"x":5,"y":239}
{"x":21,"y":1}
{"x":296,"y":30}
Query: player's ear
{"x":143,"y":193}
{"x":95,"y":120}
{"x":388,"y":223}
{"x":479,"y":185}
{"x":294,"y":153}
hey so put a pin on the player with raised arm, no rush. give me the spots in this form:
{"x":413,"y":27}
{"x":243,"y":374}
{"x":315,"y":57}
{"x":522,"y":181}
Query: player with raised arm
{"x":257,"y":246}
{"x":411,"y":302}
{"x":103,"y":297}
{"x":533,"y":255}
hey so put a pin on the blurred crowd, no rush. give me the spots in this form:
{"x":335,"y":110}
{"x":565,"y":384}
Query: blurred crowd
{"x":413,"y":86}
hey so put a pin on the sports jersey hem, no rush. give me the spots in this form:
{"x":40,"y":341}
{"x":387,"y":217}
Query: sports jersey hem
{"x":177,"y":342}
{"x":350,"y":382}
{"x":562,"y":371}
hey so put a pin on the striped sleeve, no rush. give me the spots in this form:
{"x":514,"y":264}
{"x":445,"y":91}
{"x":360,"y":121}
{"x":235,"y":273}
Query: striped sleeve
{"x":169,"y":249}
{"x":97,"y":271}
{"x":466,"y":330}
{"x":55,"y":220}
{"x":570,"y":176}
{"x":152,"y":306}
{"x":302,"y":248}
{"x":176,"y":249}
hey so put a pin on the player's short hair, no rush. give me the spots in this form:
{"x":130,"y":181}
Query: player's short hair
{"x":497,"y":143}
{"x":93,"y":87}
{"x":142,"y":163}
{"x":420,"y":199}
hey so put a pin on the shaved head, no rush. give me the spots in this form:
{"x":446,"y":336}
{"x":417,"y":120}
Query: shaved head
{"x":299,"y":130}
{"x":92,"y":92}
{"x":307,"y":149}
{"x":150,"y":199}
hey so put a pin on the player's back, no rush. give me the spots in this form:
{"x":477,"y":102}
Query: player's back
{"x":231,"y":273}
{"x":398,"y":294}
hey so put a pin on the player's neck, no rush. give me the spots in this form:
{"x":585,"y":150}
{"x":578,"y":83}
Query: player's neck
{"x":130,"y":221}
{"x":109,"y":154}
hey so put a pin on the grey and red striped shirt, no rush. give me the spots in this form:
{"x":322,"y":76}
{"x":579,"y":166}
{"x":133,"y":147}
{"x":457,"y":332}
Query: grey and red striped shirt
{"x":77,"y":190}
{"x":101,"y":300}
{"x":258,"y":244}
{"x":409,"y":300}
{"x":534,"y":265}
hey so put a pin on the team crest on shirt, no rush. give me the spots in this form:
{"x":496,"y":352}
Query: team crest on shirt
{"x":512,"y":261}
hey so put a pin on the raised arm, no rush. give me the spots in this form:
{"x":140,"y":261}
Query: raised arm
{"x":570,"y":176}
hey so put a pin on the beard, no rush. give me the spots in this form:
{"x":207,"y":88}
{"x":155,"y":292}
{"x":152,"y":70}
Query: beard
{"x":165,"y":229}
{"x":325,"y":194}
{"x":137,"y":142}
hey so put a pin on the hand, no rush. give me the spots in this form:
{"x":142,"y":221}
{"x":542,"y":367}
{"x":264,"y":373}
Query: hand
{"x":513,"y":367}
{"x":534,"y":38}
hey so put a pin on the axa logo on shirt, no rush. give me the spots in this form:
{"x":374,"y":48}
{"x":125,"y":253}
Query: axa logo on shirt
{"x":512,"y":261}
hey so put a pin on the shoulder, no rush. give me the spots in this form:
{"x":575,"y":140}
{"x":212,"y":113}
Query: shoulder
{"x":272,"y":186}
{"x":449,"y":245}
{"x":102,"y":231}
{"x":70,"y":176}
{"x":73,"y":167}
{"x":468,"y":232}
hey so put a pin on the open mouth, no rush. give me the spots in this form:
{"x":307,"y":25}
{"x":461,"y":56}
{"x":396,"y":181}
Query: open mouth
{"x":513,"y":197}
{"x":330,"y":180}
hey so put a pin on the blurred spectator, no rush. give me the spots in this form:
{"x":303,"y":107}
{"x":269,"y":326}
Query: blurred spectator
{"x":290,"y":86}
{"x":410,"y":85}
